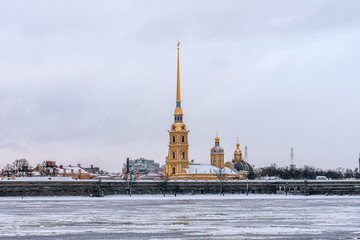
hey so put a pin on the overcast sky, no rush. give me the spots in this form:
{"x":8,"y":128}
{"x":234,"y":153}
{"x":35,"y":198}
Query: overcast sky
{"x":94,"y":82}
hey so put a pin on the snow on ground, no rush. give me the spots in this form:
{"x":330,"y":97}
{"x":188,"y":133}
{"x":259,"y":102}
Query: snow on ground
{"x":182,"y":217}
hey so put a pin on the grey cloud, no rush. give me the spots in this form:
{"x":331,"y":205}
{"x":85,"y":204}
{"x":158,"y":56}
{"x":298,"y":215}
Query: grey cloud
{"x":95,"y":81}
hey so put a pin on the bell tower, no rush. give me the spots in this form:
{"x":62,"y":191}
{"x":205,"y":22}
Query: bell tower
{"x":177,"y":158}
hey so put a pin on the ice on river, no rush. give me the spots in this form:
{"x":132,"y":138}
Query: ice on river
{"x":181,"y":217}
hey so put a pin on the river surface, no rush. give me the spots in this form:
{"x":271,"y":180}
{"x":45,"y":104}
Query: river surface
{"x":181,"y":217}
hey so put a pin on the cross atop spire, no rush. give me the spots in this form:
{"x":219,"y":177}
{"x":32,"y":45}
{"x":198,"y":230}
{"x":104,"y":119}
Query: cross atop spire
{"x":217,"y":139}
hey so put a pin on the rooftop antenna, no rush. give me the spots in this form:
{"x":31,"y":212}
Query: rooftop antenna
{"x":292,"y":156}
{"x":246,"y":154}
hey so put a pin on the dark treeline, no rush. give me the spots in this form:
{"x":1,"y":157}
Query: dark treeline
{"x":306,"y":172}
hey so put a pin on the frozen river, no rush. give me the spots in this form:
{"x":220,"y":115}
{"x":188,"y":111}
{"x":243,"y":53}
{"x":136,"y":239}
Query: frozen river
{"x":181,"y":217}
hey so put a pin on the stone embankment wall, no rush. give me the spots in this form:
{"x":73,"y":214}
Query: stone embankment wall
{"x":107,"y":187}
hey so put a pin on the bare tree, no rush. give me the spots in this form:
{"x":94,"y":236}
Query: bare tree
{"x":21,"y":167}
{"x":48,"y":168}
{"x":8,"y":170}
{"x":164,"y":184}
{"x":221,"y":175}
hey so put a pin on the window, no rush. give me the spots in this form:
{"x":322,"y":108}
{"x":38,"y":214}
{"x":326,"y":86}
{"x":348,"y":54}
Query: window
{"x":173,"y":170}
{"x":174,"y":155}
{"x":219,"y":160}
{"x":173,"y":138}
{"x":214,"y":160}
{"x":183,"y":139}
{"x":183,"y":155}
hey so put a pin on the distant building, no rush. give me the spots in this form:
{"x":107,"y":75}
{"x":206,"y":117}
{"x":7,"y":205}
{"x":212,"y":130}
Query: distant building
{"x":238,"y":162}
{"x":73,"y":171}
{"x":50,"y":168}
{"x":93,"y":169}
{"x":142,"y":166}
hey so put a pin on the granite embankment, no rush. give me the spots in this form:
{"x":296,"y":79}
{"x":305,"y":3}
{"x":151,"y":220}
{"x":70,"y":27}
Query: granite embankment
{"x":53,"y":187}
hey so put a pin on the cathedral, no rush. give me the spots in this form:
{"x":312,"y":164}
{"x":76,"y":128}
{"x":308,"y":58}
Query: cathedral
{"x":177,"y":161}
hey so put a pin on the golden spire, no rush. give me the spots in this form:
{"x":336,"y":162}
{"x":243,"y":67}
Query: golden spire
{"x":178,"y":97}
{"x":238,"y":144}
{"x":178,"y":109}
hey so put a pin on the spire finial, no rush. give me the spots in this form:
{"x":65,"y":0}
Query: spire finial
{"x":238,"y":144}
{"x":217,"y":139}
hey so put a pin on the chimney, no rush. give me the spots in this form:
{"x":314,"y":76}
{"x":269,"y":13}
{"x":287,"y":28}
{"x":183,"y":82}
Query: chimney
{"x":79,"y":165}
{"x":127,"y":165}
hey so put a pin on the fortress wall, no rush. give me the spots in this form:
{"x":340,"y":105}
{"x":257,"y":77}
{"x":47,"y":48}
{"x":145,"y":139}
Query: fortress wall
{"x":97,"y":188}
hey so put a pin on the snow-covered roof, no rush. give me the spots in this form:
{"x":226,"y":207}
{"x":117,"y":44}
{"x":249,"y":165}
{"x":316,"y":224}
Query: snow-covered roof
{"x":38,"y":179}
{"x":74,"y":168}
{"x":156,"y":174}
{"x":153,"y":175}
{"x":207,"y":169}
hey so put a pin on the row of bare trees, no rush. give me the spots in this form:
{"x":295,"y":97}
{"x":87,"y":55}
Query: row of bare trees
{"x":22,"y":167}
{"x":307,"y":172}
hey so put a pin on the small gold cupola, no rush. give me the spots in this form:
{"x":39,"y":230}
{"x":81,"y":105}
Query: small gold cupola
{"x":217,"y":139}
{"x":237,"y":152}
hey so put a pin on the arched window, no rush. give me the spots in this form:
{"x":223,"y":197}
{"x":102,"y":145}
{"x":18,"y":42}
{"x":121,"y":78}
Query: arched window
{"x":173,"y":138}
{"x":183,"y":139}
{"x":183,"y":155}
{"x":173,"y":170}
{"x":174,"y":155}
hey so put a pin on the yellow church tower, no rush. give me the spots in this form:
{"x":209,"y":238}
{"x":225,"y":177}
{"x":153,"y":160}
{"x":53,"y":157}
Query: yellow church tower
{"x":177,"y":158}
{"x":217,"y":154}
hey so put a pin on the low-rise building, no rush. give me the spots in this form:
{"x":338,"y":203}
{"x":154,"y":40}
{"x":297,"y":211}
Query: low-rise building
{"x":142,"y":166}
